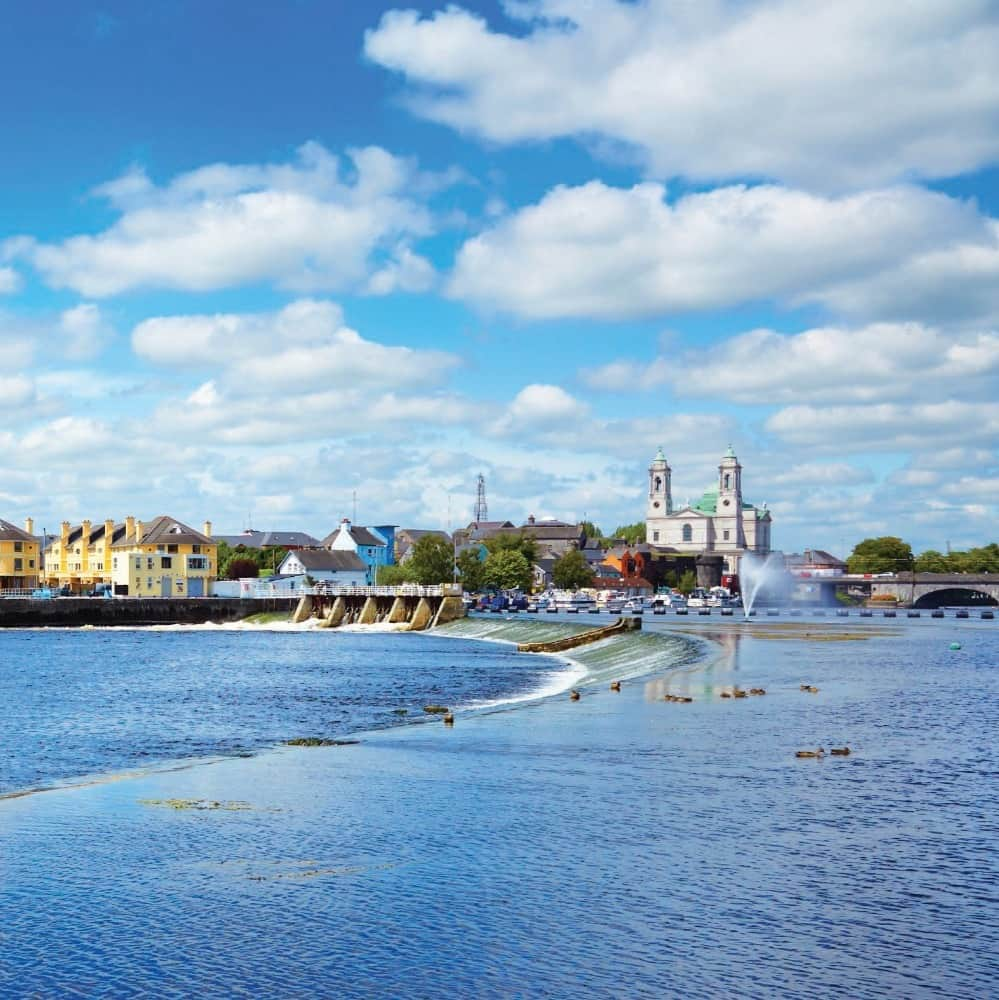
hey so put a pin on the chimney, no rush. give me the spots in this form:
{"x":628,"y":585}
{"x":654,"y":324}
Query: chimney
{"x":108,"y":531}
{"x":29,"y":525}
{"x":138,"y":531}
{"x":208,"y":528}
{"x":129,"y":527}
{"x":530,"y":519}
{"x":64,"y":532}
{"x":85,"y":537}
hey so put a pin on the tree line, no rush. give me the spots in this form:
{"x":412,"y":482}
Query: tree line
{"x":889,"y":554}
{"x":509,"y":565}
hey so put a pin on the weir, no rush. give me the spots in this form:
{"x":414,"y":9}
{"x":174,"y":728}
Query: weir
{"x":413,"y":608}
{"x":623,"y":624}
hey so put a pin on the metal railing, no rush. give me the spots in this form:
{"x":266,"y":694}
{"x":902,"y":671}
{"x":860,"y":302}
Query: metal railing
{"x":403,"y":590}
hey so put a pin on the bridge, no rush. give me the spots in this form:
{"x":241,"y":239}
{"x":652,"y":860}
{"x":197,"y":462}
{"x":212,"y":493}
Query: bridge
{"x":928,"y":590}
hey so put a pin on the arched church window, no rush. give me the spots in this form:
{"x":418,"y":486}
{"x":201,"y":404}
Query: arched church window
{"x":727,"y":481}
{"x":688,"y":533}
{"x":658,"y":484}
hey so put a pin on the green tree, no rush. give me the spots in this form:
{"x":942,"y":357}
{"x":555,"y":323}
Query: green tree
{"x":239,"y":568}
{"x":886,"y":554}
{"x":572,"y":571}
{"x":431,"y":560}
{"x":931,"y":561}
{"x":392,"y":576}
{"x":633,"y":534}
{"x":591,"y":530}
{"x":521,"y":542}
{"x":471,"y":569}
{"x":687,"y":582}
{"x":507,"y":569}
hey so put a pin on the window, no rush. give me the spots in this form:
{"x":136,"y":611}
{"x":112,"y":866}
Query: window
{"x":172,"y":548}
{"x":18,"y":565}
{"x":195,"y":548}
{"x":166,"y":562}
{"x":180,"y":586}
{"x":726,"y":481}
{"x":149,"y":562}
{"x":197,"y":562}
{"x":657,"y":484}
{"x":31,"y":564}
{"x":149,"y":583}
{"x":725,"y":534}
{"x":18,"y":546}
{"x":688,"y":533}
{"x":655,"y":536}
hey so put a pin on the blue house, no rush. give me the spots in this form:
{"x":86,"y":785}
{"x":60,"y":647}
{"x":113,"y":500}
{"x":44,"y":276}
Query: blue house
{"x":372,"y":547}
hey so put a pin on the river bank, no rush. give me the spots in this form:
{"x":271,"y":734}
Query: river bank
{"x":620,"y":845}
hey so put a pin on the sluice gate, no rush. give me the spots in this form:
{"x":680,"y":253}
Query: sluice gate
{"x":411,"y":608}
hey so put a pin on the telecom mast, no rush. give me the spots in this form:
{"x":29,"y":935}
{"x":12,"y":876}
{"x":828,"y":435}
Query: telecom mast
{"x":481,"y":512}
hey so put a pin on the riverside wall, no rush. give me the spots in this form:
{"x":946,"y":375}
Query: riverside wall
{"x":77,"y":611}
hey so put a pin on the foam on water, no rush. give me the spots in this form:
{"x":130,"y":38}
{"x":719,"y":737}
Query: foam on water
{"x":619,"y":657}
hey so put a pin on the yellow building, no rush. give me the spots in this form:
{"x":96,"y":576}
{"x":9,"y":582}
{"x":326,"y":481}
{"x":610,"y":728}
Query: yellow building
{"x":163,"y":558}
{"x":19,"y":557}
{"x":80,"y":555}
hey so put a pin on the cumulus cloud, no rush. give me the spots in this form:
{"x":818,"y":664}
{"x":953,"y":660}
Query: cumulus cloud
{"x":831,"y":95}
{"x":317,"y":223}
{"x":871,"y":363}
{"x":891,"y":427}
{"x":10,"y":281}
{"x":618,"y":253}
{"x":303,"y":346}
{"x":84,"y":331}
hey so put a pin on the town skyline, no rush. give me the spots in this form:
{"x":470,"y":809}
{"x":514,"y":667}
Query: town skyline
{"x":290,"y":255}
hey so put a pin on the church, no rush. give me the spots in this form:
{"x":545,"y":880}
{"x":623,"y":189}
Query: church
{"x":719,"y":525}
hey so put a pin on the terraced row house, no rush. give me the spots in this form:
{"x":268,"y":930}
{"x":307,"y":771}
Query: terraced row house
{"x":19,"y":557}
{"x":160,"y":558}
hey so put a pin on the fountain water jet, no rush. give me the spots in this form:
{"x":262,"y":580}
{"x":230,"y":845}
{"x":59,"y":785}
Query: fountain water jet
{"x":753,"y":573}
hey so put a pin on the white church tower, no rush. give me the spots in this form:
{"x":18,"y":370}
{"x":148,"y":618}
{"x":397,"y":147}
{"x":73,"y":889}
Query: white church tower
{"x":729,"y":532}
{"x":660,"y":493}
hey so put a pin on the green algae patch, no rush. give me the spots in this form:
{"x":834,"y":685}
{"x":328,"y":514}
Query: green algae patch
{"x":267,"y":618}
{"x":199,"y":805}
{"x":318,"y":741}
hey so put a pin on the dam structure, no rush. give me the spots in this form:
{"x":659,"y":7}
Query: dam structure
{"x":412,"y":608}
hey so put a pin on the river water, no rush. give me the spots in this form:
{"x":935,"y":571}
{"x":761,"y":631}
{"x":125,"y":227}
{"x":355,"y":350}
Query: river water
{"x":616,"y":846}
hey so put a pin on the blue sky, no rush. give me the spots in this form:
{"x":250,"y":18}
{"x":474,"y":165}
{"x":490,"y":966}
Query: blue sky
{"x":257,"y":258}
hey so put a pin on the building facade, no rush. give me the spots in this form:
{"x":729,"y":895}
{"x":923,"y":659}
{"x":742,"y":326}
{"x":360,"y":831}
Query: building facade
{"x":19,"y":557}
{"x":721,"y":523}
{"x":370,"y":544}
{"x":164,"y":558}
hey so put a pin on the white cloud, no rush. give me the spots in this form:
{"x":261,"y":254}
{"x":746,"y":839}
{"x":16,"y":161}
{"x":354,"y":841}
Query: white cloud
{"x":891,"y":427}
{"x":16,"y":391}
{"x":312,"y":224}
{"x":872,"y":363}
{"x":618,"y":253}
{"x":84,"y":331}
{"x":304,"y":346}
{"x":10,"y":281}
{"x":844,"y":94}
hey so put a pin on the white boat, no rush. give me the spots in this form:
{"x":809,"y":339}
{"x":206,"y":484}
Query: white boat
{"x":573,"y":602}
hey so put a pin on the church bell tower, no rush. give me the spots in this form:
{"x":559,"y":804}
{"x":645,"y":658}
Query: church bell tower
{"x":729,"y":533}
{"x":660,"y":494}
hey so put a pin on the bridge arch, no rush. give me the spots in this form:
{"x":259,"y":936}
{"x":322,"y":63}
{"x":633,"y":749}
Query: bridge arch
{"x":956,"y":597}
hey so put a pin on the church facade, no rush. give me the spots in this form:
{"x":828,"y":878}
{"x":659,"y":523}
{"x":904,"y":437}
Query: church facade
{"x":719,"y":524}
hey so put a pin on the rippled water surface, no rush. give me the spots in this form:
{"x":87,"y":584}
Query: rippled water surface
{"x":616,"y":846}
{"x":85,"y":702}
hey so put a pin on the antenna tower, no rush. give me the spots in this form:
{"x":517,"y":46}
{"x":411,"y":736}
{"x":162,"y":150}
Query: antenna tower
{"x":481,"y":512}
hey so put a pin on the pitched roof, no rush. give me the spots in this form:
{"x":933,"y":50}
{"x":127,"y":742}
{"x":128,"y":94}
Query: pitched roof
{"x":286,"y":539}
{"x":11,"y":532}
{"x":360,"y":536}
{"x":166,"y":530}
{"x":328,"y":559}
{"x":248,"y":539}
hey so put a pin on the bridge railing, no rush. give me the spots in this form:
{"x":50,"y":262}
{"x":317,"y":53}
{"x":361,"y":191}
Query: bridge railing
{"x":403,"y":590}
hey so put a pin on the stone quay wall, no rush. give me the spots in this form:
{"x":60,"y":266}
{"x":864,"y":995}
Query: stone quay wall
{"x":77,"y":611}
